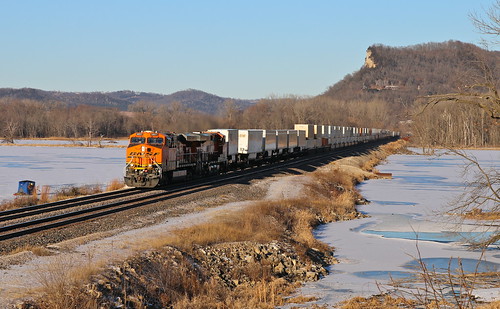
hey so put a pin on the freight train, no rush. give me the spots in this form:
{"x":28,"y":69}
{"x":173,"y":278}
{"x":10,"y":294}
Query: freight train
{"x":156,"y":159}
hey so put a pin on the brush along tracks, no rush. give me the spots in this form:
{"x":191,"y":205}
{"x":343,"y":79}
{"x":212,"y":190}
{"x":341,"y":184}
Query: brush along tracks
{"x":33,"y":219}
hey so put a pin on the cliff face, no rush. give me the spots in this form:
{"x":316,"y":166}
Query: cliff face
{"x":369,"y":61}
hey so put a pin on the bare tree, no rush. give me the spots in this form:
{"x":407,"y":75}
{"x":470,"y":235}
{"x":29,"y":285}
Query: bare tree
{"x":481,"y":199}
{"x":489,"y":25}
{"x":230,"y":113}
{"x":483,"y":93}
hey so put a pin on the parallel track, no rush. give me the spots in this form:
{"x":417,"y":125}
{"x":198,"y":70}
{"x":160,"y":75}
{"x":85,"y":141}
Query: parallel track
{"x":80,"y":215}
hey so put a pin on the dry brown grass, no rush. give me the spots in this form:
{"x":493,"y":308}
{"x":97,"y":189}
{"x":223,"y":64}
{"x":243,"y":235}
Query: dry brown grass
{"x":479,"y":214}
{"x":62,"y":284}
{"x":115,"y":184}
{"x":492,"y":305}
{"x":263,"y":295}
{"x":36,"y":250}
{"x":378,"y":302}
{"x":18,"y":202}
{"x":261,"y":222}
{"x":46,"y":197}
{"x":74,"y":191}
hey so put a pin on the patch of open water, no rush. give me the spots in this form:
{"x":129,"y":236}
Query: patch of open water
{"x":440,"y":237}
{"x":454,"y":265}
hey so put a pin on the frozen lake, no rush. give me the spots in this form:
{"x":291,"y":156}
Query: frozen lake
{"x":66,"y":142}
{"x":58,"y":166}
{"x":373,"y":250}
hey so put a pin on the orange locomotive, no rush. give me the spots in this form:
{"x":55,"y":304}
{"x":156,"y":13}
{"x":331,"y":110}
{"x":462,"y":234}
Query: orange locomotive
{"x":155,"y":159}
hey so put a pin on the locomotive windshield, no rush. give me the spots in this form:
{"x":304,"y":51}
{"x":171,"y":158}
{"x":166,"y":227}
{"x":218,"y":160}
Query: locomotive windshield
{"x":137,"y":140}
{"x":155,"y":141}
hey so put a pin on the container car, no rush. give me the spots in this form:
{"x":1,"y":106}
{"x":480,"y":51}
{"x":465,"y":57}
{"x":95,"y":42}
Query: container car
{"x":155,"y":159}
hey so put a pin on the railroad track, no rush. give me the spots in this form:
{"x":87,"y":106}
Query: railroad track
{"x":116,"y":201}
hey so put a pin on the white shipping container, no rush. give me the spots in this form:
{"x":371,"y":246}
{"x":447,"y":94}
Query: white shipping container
{"x":293,"y":138}
{"x":270,"y":140}
{"x":328,"y":131}
{"x":282,"y":139}
{"x":338,"y":131}
{"x":318,"y":131}
{"x":250,"y":141}
{"x":301,"y":139}
{"x":308,"y":128}
{"x":350,"y":131}
{"x":231,"y":137}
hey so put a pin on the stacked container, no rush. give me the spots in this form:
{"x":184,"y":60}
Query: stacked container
{"x":293,"y":139}
{"x":309,"y":128}
{"x":269,"y":141}
{"x":282,"y":140}
{"x":250,"y":142}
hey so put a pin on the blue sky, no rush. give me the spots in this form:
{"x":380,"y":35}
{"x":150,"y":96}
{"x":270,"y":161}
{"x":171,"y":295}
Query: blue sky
{"x":240,"y":49}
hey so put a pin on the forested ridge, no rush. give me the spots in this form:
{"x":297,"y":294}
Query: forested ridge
{"x":191,"y":98}
{"x":399,"y":75}
{"x":387,"y":92}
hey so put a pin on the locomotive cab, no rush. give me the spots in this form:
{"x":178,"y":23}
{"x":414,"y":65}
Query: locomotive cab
{"x":155,"y":159}
{"x":146,"y":158}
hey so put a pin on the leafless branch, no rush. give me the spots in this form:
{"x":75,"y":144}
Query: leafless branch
{"x":490,"y":24}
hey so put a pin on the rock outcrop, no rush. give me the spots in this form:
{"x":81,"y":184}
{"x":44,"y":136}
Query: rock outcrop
{"x":157,"y":277}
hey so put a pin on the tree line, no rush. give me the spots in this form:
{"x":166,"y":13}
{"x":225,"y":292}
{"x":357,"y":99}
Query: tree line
{"x":447,"y":124}
{"x":35,"y":119}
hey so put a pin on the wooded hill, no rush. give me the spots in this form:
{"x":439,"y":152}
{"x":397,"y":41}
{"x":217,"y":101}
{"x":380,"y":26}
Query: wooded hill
{"x":399,"y":75}
{"x":190,"y":98}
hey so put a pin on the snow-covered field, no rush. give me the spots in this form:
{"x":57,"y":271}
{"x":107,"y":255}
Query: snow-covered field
{"x":58,"y":166}
{"x":402,"y":209}
{"x":55,"y":142}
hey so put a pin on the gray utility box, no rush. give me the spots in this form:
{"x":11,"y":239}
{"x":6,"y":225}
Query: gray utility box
{"x":269,"y":140}
{"x":231,"y":137}
{"x":250,"y":141}
{"x":309,"y":128}
{"x":282,"y":139}
{"x":293,"y":138}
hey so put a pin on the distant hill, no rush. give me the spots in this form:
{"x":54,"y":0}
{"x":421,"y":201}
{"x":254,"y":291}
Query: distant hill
{"x":191,"y":98}
{"x":399,"y":75}
{"x":194,"y":99}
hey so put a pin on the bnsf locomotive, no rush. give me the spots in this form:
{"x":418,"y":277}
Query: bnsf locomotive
{"x":155,"y":159}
